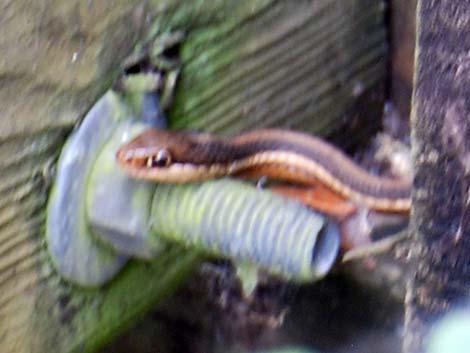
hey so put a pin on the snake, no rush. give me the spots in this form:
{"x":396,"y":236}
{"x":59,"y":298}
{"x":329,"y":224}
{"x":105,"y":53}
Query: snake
{"x":168,"y":156}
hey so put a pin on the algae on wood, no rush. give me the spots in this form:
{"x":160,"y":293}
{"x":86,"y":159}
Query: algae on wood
{"x":245,"y":64}
{"x":300,"y":65}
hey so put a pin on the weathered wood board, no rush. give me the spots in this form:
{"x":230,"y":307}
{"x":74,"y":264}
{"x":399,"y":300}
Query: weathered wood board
{"x":245,"y":63}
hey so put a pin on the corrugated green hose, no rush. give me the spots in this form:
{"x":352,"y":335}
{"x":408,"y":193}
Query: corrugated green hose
{"x":232,"y":219}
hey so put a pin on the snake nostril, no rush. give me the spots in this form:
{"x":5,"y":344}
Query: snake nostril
{"x":124,"y":156}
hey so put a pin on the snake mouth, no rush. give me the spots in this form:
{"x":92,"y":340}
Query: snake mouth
{"x":175,"y":173}
{"x":129,"y":161}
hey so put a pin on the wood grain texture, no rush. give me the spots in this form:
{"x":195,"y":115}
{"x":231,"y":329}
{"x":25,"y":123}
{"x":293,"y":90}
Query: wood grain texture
{"x":245,"y":64}
{"x":59,"y":56}
{"x":38,"y":311}
{"x":299,"y":66}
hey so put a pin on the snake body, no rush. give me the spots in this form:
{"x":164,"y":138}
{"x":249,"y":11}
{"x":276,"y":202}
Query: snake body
{"x":181,"y":157}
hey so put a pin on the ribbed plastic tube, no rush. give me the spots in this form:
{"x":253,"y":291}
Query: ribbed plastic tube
{"x":232,"y":219}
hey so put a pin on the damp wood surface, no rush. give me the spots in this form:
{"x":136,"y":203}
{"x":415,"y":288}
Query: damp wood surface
{"x":441,"y":152}
{"x":402,"y":46}
{"x":246,"y":64}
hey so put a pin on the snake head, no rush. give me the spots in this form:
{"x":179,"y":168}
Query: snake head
{"x":164,"y":156}
{"x":144,"y":158}
{"x":151,"y":149}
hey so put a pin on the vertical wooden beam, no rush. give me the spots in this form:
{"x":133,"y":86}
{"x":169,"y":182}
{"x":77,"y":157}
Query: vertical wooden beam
{"x":441,"y":150}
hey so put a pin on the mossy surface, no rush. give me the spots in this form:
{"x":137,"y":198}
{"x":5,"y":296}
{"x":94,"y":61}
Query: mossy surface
{"x":245,"y":64}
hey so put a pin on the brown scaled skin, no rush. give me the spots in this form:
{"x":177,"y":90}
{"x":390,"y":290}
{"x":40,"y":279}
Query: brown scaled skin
{"x":279,"y":154}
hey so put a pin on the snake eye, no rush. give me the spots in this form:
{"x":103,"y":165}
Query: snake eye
{"x":161,"y":159}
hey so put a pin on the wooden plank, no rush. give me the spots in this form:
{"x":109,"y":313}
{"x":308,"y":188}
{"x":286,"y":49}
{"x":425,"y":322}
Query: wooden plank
{"x":297,"y":65}
{"x":245,"y":64}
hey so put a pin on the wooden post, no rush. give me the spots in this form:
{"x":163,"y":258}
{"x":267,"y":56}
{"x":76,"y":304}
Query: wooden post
{"x":441,"y":150}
